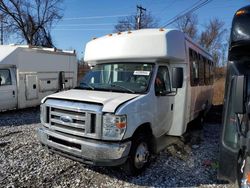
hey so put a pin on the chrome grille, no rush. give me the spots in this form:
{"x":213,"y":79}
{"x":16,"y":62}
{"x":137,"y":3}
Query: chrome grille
{"x":74,"y":118}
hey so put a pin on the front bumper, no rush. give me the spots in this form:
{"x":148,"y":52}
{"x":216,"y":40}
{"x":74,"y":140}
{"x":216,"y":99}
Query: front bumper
{"x":88,"y":151}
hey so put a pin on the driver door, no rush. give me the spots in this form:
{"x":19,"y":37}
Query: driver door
{"x":8,"y":90}
{"x":164,"y":101}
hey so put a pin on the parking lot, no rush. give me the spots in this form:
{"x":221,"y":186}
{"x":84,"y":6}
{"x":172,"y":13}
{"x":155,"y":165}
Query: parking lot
{"x":24,"y":163}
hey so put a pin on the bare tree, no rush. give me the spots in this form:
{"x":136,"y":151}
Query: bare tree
{"x":130,"y":22}
{"x":211,"y":38}
{"x":32,"y":19}
{"x":5,"y":30}
{"x":188,"y":25}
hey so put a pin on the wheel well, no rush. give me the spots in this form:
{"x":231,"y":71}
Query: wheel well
{"x":144,"y":128}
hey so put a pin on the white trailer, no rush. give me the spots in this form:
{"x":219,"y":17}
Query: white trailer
{"x":145,"y":85}
{"x":28,"y":74}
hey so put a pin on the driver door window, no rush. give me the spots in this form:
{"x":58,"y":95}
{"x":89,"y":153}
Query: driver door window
{"x":162,"y":81}
{"x":5,"y":78}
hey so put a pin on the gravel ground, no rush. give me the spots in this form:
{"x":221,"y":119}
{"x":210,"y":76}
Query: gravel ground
{"x":24,"y":163}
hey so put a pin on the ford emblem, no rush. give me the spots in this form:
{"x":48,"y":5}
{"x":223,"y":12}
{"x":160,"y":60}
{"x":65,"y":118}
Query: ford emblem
{"x":66,"y":119}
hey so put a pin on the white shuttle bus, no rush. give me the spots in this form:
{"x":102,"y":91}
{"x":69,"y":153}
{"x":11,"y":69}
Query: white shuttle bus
{"x":144,"y":86}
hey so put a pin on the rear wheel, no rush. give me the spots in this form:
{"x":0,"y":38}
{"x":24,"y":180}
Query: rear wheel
{"x":139,"y":157}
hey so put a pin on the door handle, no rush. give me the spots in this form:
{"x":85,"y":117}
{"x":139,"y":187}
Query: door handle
{"x":14,"y":93}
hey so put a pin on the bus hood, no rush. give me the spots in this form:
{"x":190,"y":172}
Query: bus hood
{"x":109,"y":100}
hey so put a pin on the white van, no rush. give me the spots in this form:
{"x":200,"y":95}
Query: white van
{"x":144,"y":86}
{"x":28,"y":74}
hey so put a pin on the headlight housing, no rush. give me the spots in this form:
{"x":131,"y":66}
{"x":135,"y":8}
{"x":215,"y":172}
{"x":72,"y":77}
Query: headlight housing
{"x":114,"y":126}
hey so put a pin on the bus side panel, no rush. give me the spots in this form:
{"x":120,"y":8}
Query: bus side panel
{"x":200,"y":95}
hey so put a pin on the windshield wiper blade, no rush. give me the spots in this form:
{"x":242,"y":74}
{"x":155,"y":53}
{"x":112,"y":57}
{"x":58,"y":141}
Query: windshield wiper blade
{"x":115,"y":85}
{"x":87,"y":84}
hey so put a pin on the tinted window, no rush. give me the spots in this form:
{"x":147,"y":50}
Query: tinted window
{"x":207,"y":71}
{"x":194,"y":68}
{"x":201,"y":70}
{"x":211,"y":72}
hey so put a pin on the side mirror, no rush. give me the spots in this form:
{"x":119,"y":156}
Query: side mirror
{"x":177,"y":77}
{"x":238,"y":94}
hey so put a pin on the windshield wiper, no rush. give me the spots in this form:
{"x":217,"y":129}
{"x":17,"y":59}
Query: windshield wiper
{"x":90,"y":86}
{"x":115,"y":85}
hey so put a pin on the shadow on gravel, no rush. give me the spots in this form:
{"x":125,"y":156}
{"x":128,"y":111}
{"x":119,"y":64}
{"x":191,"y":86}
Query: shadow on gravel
{"x":20,"y":117}
{"x":215,"y":114}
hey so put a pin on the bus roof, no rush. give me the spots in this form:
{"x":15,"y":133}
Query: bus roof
{"x":138,"y":44}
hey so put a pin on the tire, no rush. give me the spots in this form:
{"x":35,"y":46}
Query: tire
{"x":139,"y":157}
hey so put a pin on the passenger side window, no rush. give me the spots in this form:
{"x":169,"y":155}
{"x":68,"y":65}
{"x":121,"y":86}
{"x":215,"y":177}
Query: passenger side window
{"x":201,"y":70}
{"x":211,"y":71}
{"x":194,"y":68}
{"x":162,"y":81}
{"x":5,"y":78}
{"x":207,"y":71}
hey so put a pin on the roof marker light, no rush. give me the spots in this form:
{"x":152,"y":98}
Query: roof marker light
{"x":129,"y":32}
{"x":110,"y":34}
{"x":161,"y":29}
{"x":94,"y":38}
{"x":119,"y":33}
{"x":240,"y":12}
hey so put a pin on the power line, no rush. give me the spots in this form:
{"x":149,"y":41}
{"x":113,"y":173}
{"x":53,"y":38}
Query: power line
{"x":184,"y":13}
{"x":96,"y":17}
{"x":176,"y":17}
{"x":168,"y":6}
{"x":88,"y":24}
{"x":79,"y":29}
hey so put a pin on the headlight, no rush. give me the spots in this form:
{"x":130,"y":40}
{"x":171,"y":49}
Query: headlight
{"x":114,"y":126}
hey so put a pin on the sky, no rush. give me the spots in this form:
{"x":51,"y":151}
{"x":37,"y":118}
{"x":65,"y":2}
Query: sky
{"x":84,"y":19}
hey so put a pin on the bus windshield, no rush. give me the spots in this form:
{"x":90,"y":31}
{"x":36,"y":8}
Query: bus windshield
{"x":119,"y":77}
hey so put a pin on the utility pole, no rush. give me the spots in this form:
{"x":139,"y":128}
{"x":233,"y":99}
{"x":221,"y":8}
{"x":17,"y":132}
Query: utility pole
{"x":140,"y":10}
{"x":1,"y":20}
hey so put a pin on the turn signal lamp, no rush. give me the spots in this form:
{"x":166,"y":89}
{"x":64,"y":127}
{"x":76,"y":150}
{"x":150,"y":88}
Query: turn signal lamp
{"x":120,"y":125}
{"x":248,"y":177}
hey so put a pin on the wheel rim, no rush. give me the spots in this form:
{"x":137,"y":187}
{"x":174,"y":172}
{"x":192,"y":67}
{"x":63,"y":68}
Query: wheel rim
{"x":141,"y":155}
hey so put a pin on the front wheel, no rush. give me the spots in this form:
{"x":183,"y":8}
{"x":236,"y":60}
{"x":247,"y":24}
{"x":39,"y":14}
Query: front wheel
{"x":139,"y":157}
